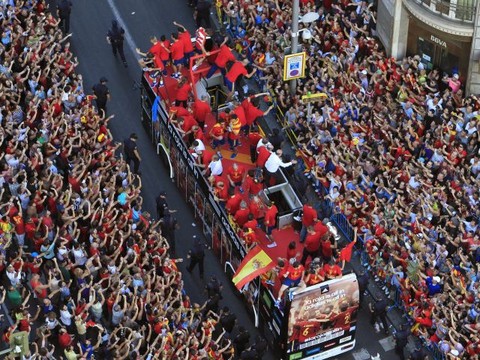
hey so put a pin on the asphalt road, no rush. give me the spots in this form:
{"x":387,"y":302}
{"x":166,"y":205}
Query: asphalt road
{"x":90,"y":21}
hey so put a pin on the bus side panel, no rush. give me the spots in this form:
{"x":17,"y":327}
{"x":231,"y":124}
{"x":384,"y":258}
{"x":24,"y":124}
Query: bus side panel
{"x":322,"y":319}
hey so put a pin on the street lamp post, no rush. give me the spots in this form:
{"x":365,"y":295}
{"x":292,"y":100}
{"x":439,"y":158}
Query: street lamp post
{"x":295,"y":17}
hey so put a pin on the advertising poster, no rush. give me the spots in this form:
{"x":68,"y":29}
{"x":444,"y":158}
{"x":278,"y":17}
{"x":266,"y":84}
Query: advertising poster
{"x":322,"y":317}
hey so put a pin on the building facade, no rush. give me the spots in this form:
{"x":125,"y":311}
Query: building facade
{"x":445,"y":34}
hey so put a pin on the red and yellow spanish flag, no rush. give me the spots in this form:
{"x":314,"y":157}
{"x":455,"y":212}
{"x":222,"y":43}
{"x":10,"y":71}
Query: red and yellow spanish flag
{"x":346,"y":252}
{"x":256,"y":263}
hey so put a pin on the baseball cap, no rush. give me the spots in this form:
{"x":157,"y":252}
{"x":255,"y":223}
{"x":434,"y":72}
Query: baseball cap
{"x":103,"y":79}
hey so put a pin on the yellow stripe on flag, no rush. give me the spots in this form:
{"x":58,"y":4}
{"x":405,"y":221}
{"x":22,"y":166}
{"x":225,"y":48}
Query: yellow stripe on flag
{"x":254,"y":264}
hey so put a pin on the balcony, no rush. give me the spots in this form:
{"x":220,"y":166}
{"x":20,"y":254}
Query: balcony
{"x":455,"y":16}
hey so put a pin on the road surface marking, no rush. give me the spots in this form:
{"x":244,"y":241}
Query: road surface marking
{"x":361,"y":354}
{"x":128,"y":37}
{"x":387,"y":343}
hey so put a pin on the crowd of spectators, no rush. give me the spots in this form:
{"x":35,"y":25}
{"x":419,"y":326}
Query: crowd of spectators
{"x":394,"y":147}
{"x":86,"y":272}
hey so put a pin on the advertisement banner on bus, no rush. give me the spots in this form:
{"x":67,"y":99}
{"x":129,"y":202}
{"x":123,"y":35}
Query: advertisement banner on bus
{"x":322,"y":317}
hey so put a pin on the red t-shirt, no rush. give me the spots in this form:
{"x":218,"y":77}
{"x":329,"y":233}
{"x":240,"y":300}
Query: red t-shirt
{"x":156,"y":49}
{"x":236,"y":175}
{"x":183,"y":91}
{"x":327,"y":248}
{"x":200,"y":110}
{"x":164,"y":54}
{"x":321,"y":228}
{"x":233,"y":204}
{"x":241,"y":216}
{"x":42,"y":294}
{"x":251,"y":112}
{"x":224,"y":56}
{"x":240,"y":112}
{"x":64,"y":340}
{"x":312,"y":242}
{"x":263,"y":155}
{"x":271,"y":216}
{"x":218,"y":130}
{"x":19,"y":225}
{"x":177,"y":50}
{"x":186,"y":39}
{"x":309,"y":215}
{"x":252,"y":187}
{"x":237,"y":69}
{"x":295,"y":273}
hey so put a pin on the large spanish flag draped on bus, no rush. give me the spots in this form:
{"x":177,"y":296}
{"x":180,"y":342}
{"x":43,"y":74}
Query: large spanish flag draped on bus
{"x":256,"y":263}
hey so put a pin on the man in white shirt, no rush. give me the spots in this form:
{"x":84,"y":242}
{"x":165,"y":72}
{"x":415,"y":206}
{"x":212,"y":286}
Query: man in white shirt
{"x":273,"y":163}
{"x":215,"y":166}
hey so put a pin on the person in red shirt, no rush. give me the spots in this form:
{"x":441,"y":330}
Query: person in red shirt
{"x":248,"y":235}
{"x":292,"y":250}
{"x":236,"y":175}
{"x":185,"y":37}
{"x":233,"y":203}
{"x":38,"y":287}
{"x":312,"y":245}
{"x":241,"y":216}
{"x":223,"y":57}
{"x":264,"y":153}
{"x":308,"y":219}
{"x":270,"y":222}
{"x":332,"y":270}
{"x":178,"y":55}
{"x":257,"y":208}
{"x":236,"y":70}
{"x":204,"y":158}
{"x":321,"y":228}
{"x":221,"y":193}
{"x":64,"y":338}
{"x":183,"y":91}
{"x":327,"y":250}
{"x":217,"y":133}
{"x":201,"y":108}
{"x":253,"y":182}
{"x":292,"y":278}
{"x":315,"y":276}
{"x":252,"y":223}
{"x":252,"y":111}
{"x":160,"y":52}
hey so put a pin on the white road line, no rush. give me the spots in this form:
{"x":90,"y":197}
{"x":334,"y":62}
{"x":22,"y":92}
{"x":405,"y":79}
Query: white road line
{"x":128,"y":37}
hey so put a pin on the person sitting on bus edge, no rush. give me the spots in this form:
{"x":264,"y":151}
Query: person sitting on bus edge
{"x":293,"y":277}
{"x":224,"y":55}
{"x":236,"y":70}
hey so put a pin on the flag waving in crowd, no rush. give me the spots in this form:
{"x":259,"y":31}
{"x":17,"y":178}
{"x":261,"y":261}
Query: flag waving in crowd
{"x":346,"y":253}
{"x":256,"y":263}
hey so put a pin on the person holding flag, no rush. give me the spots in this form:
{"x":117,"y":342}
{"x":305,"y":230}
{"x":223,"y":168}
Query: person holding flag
{"x":255,"y":263}
{"x":346,"y":252}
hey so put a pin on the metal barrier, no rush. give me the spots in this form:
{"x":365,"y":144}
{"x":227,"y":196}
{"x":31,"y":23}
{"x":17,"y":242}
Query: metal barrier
{"x":342,"y":223}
